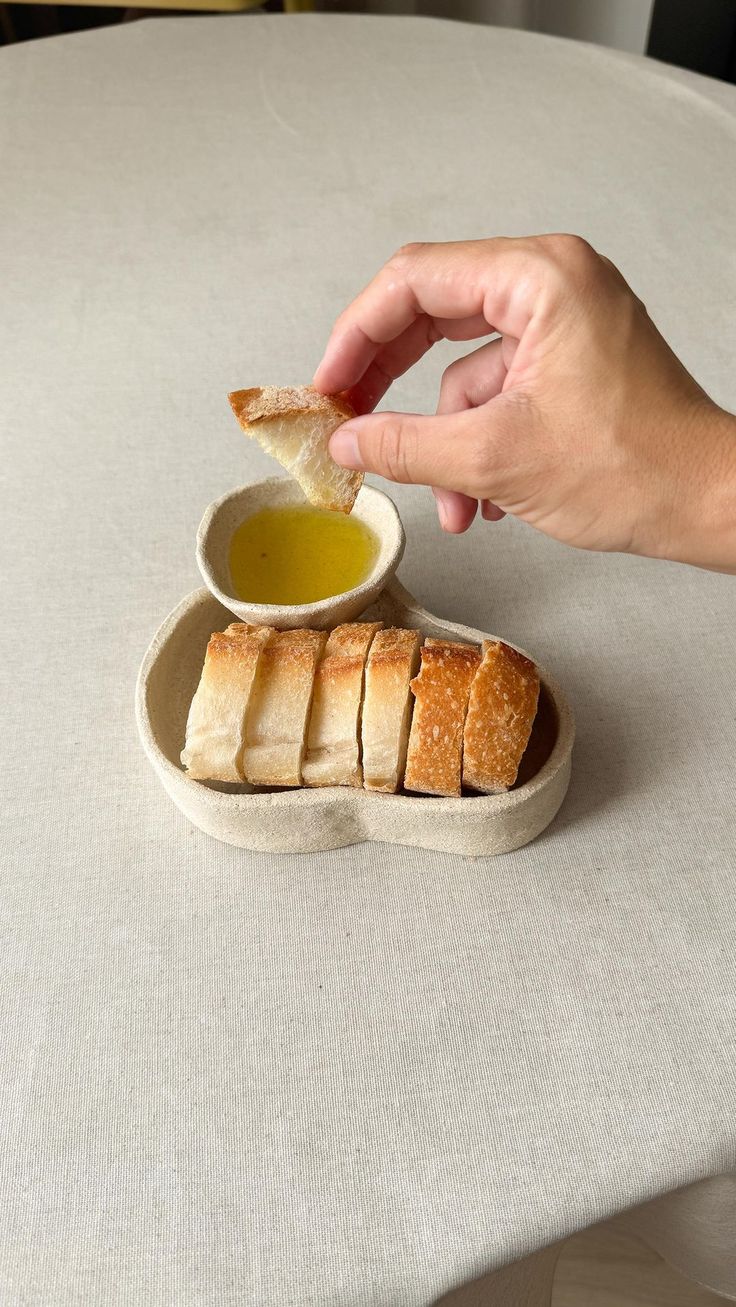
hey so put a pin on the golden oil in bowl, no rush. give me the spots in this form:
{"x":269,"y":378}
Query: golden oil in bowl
{"x":296,"y":554}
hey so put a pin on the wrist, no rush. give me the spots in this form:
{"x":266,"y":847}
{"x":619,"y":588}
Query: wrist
{"x":702,"y":523}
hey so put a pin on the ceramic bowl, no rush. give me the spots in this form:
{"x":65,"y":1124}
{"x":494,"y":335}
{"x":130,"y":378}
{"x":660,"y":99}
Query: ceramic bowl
{"x":299,"y":821}
{"x":223,"y":517}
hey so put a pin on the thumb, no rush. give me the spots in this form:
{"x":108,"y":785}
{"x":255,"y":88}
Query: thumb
{"x":444,"y":451}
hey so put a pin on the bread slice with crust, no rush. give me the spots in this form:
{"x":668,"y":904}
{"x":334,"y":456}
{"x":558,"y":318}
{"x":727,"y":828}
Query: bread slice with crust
{"x":333,"y":738}
{"x":294,"y":425}
{"x":278,"y":711}
{"x":441,"y":690}
{"x":387,"y":705}
{"x":501,"y":712}
{"x":215,"y":733}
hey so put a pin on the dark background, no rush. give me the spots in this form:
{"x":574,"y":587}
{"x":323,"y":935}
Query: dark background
{"x":696,"y":34}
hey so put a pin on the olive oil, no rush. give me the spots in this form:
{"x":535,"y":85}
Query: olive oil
{"x":298,"y":554}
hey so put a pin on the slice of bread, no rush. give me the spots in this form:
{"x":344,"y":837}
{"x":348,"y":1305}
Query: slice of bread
{"x":294,"y":425}
{"x":434,"y":759}
{"x":387,"y":704}
{"x":215,"y":734}
{"x":501,"y":712}
{"x":276,"y":723}
{"x":333,"y":748}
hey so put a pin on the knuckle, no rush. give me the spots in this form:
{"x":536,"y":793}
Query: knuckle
{"x":396,"y":448}
{"x":405,"y":254}
{"x":570,"y":266}
{"x":619,"y":283}
{"x":569,"y":248}
{"x":637,"y":309}
{"x":572,"y":256}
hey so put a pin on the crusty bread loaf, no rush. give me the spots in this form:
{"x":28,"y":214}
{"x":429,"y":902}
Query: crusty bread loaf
{"x":216,"y":724}
{"x":387,"y":704}
{"x":294,"y":425}
{"x":333,"y":747}
{"x":271,"y":710}
{"x":434,"y":758}
{"x":278,"y":712}
{"x":501,"y":712}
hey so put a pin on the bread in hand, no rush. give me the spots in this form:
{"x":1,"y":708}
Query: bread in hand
{"x":441,"y":690}
{"x":501,"y":712}
{"x":276,"y":724}
{"x":333,"y":746}
{"x":294,"y":425}
{"x":387,"y":705}
{"x":215,"y":735}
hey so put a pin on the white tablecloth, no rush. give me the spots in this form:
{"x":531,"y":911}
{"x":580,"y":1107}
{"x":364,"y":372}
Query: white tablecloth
{"x":372,"y":1076}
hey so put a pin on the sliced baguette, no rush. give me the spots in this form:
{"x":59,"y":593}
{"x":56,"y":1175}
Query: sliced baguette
{"x":434,"y":759}
{"x":387,"y":704}
{"x":501,"y":712}
{"x":333,"y":748}
{"x":276,"y":723}
{"x":294,"y":425}
{"x":215,"y":734}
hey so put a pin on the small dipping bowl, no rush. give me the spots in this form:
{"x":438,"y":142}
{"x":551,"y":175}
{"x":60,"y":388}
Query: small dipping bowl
{"x":225,"y":515}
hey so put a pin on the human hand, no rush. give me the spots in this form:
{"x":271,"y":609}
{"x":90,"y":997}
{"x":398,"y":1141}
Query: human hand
{"x":579,"y":419}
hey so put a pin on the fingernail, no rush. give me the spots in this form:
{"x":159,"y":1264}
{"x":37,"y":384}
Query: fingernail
{"x":345,"y":450}
{"x":491,"y":512}
{"x":441,"y":508}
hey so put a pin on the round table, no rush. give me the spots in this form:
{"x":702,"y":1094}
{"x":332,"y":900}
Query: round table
{"x":378,"y":1075}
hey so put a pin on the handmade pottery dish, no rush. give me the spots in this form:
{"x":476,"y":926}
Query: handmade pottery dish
{"x":305,"y":820}
{"x":373,"y":510}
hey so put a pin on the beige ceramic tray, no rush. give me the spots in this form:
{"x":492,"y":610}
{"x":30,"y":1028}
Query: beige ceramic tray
{"x":300,"y":821}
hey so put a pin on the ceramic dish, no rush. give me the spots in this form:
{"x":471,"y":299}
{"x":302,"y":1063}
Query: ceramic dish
{"x":223,"y":517}
{"x":301,"y":821}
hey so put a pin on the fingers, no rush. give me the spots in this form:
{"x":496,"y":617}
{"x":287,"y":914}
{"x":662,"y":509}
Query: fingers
{"x":467,"y":383}
{"x":455,"y":511}
{"x":391,"y":362}
{"x":494,"y":282}
{"x":452,"y":453}
{"x":395,"y":358}
{"x":406,"y":447}
{"x":490,"y":512}
{"x":473,"y":380}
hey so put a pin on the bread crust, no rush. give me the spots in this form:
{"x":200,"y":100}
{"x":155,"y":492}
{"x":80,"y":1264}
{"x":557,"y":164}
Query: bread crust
{"x":215,"y":733}
{"x":261,"y":402}
{"x":387,"y":707}
{"x":501,"y":711}
{"x":441,"y":690}
{"x":294,"y":425}
{"x":333,"y":738}
{"x":278,"y":711}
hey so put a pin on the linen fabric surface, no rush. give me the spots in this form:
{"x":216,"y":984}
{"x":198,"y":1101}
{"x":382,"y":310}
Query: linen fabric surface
{"x":372,"y":1076}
